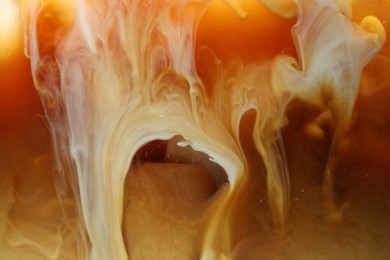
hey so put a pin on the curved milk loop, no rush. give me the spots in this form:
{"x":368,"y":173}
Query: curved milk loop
{"x":116,"y":75}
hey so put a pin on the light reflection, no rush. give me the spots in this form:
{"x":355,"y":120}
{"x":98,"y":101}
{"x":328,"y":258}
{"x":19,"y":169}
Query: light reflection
{"x":9,"y":27}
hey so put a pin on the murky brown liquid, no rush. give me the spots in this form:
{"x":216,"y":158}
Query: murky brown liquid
{"x":168,"y":194}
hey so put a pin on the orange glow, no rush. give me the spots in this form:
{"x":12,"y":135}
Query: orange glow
{"x":9,"y":27}
{"x":258,"y":37}
{"x":9,"y":16}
